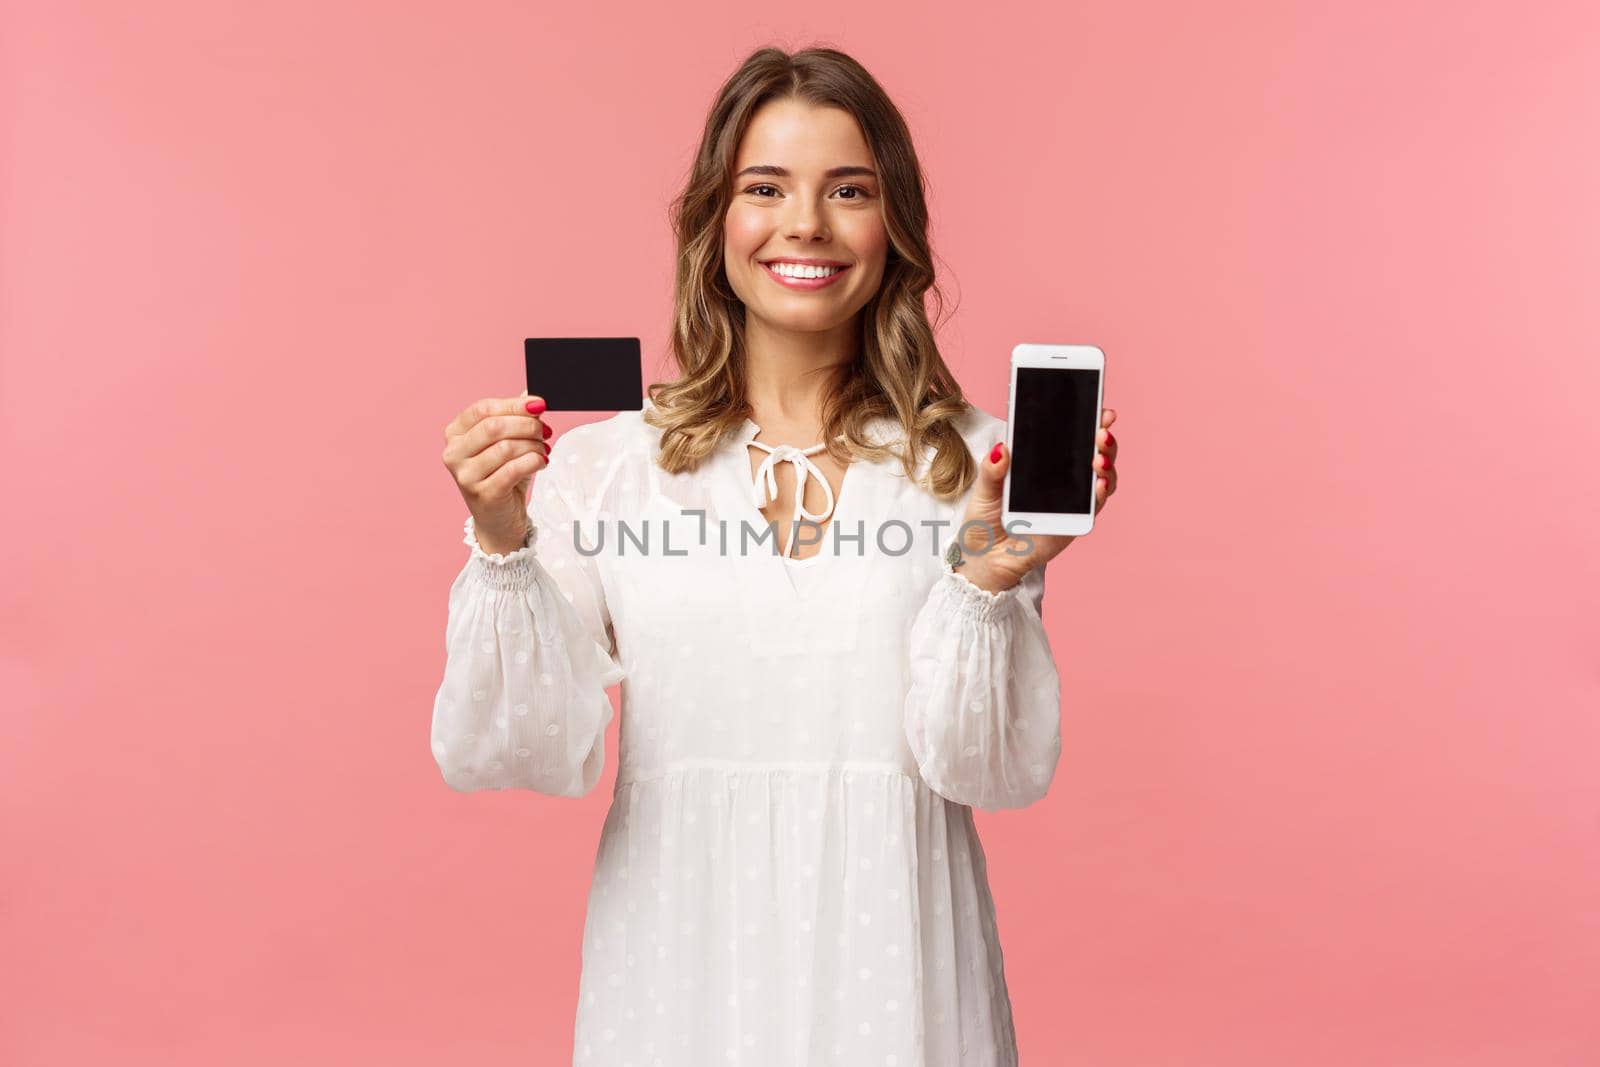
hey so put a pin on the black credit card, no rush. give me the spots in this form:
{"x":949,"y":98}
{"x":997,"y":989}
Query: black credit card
{"x":585,"y":373}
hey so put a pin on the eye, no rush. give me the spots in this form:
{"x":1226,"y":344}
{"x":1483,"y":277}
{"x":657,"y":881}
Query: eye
{"x":861,"y":191}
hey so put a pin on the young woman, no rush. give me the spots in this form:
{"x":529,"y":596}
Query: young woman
{"x":789,"y":871}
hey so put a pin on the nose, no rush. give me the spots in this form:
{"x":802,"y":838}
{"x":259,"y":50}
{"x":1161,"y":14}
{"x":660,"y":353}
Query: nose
{"x":806,"y":220}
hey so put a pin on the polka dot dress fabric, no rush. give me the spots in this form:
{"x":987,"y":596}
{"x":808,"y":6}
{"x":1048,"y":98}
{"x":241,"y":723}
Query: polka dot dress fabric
{"x":789,"y":872}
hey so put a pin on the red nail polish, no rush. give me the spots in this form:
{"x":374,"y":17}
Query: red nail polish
{"x":994,"y":456}
{"x":535,"y":407}
{"x":547,"y":430}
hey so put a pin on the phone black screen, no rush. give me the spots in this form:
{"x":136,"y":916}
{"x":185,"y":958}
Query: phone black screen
{"x":1052,"y":439}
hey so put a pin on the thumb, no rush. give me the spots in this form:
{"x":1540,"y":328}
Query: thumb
{"x":992,"y":477}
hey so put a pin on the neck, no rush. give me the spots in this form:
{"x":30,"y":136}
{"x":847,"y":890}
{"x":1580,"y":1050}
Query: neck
{"x":788,"y":376}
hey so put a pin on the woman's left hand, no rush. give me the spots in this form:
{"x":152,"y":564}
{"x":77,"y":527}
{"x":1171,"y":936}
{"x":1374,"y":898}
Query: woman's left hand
{"x":1004,"y":563}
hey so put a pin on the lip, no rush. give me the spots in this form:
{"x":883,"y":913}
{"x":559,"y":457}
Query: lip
{"x":804,"y":284}
{"x":801,"y":261}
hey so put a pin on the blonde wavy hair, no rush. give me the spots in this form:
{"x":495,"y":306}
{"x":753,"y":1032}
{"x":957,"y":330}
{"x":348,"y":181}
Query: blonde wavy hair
{"x":898,"y":373}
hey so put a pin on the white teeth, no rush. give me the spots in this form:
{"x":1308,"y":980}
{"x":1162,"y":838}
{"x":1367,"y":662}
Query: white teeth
{"x":790,"y":270}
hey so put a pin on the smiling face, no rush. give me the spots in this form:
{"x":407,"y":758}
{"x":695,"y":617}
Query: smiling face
{"x":826,"y":205}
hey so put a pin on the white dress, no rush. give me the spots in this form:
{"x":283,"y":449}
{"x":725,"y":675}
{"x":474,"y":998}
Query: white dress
{"x":788,"y":873}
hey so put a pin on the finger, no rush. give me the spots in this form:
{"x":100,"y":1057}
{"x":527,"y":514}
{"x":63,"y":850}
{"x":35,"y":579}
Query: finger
{"x":505,"y":465}
{"x":473,"y":414}
{"x":519,"y":468}
{"x":1106,"y":443}
{"x":1107,"y":417}
{"x":504,"y":420}
{"x":1105,"y":485}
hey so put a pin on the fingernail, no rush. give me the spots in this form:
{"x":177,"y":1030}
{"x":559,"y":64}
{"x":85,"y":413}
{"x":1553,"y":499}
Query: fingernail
{"x":535,"y":406}
{"x":547,"y":430}
{"x":994,"y":456}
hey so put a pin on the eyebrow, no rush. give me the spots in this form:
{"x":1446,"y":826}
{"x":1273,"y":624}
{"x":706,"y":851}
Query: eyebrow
{"x":836,"y":172}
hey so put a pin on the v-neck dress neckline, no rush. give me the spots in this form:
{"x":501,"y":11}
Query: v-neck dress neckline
{"x":764,"y":489}
{"x":784,"y":578}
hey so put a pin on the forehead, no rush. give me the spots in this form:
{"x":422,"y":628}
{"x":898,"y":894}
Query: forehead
{"x":802,"y":137}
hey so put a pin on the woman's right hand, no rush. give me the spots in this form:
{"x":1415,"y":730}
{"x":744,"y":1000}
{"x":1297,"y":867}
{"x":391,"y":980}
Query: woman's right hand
{"x":493,"y":449}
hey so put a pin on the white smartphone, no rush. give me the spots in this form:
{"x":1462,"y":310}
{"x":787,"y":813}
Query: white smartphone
{"x":1056,"y":396}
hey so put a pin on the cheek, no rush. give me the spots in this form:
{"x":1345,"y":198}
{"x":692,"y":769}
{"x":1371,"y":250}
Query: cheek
{"x":870,"y":240}
{"x":742,"y":235}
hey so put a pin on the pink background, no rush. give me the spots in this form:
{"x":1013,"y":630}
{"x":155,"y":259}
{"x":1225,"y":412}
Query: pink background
{"x":1330,"y":791}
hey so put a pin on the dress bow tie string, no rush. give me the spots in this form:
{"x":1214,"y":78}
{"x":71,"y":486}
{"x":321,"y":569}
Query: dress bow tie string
{"x":766,"y":481}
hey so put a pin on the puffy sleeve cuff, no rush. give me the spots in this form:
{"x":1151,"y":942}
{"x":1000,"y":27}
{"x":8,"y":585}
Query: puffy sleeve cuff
{"x":983,"y":713}
{"x":503,"y":570}
{"x":523,"y":703}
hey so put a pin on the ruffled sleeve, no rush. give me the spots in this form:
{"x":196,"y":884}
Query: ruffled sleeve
{"x":523,"y":704}
{"x":983,"y":713}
